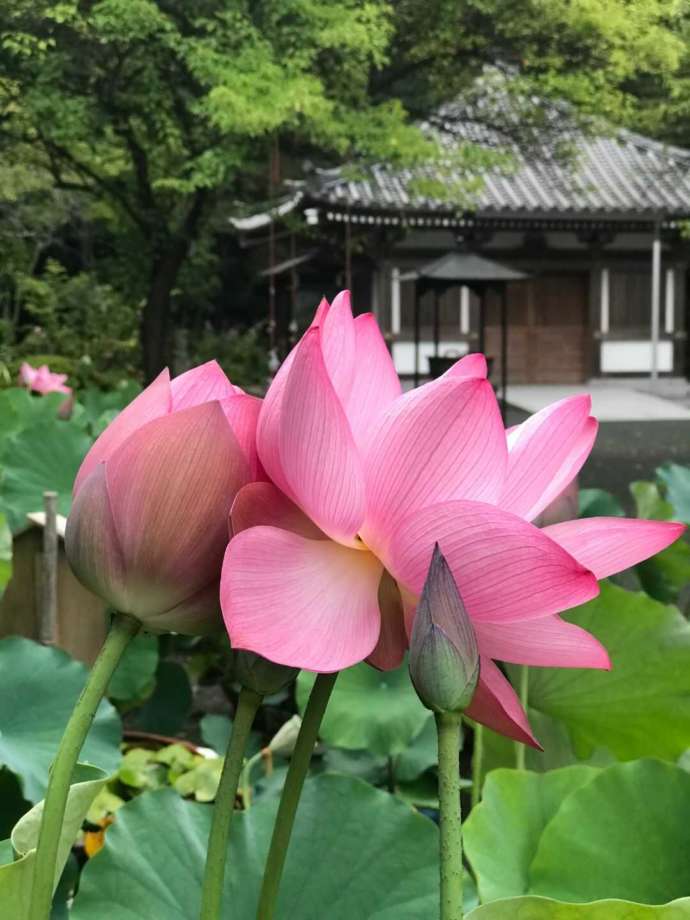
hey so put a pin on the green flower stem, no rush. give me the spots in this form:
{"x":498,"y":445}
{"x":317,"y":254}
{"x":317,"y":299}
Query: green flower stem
{"x":216,"y":854}
{"x":294,"y":781}
{"x":123,"y":629}
{"x":520,"y":749}
{"x":477,"y":763}
{"x":448,"y":729}
{"x":245,"y":784}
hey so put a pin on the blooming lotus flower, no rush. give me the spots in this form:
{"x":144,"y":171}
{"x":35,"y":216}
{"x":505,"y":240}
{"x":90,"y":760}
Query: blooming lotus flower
{"x":42,"y":380}
{"x":327,"y":564}
{"x":148,"y":526}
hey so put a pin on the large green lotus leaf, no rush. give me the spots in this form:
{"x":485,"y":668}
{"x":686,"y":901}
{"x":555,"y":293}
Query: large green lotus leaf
{"x":374,"y":710}
{"x":545,"y":909}
{"x":20,"y":409}
{"x":502,"y":833}
{"x":136,"y":670}
{"x":419,"y":755}
{"x":667,"y":574}
{"x":16,"y":877}
{"x":599,"y":503}
{"x":676,"y":478}
{"x":44,"y":456}
{"x":642,"y":707}
{"x":5,"y":552}
{"x":356,"y":852}
{"x":622,"y":835}
{"x":12,"y":803}
{"x":553,"y":736}
{"x":166,"y":710}
{"x":38,"y":689}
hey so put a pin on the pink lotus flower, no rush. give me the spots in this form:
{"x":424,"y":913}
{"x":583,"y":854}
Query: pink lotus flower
{"x":42,"y":380}
{"x":327,"y":564}
{"x":148,"y":526}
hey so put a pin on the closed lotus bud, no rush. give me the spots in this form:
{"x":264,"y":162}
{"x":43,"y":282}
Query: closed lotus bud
{"x":283,"y":742}
{"x":444,"y":658}
{"x":260,"y":675}
{"x":148,"y":526}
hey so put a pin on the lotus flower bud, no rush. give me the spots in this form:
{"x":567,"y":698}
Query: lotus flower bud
{"x":148,"y":526}
{"x":284,"y":740}
{"x":444,"y":658}
{"x":260,"y":675}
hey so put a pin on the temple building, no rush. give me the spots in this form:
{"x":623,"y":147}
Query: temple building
{"x":601,"y":236}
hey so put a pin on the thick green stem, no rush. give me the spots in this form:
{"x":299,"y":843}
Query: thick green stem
{"x":477,"y":763}
{"x":294,"y":781}
{"x":214,"y":876}
{"x":448,"y":729}
{"x":122,"y":631}
{"x":524,"y":699}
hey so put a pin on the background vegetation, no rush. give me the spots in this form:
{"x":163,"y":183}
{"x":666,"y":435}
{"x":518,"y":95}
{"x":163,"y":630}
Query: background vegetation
{"x":130,"y":130}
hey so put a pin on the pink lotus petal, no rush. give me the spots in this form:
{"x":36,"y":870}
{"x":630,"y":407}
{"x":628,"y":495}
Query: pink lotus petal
{"x":268,"y":425}
{"x":318,"y":456}
{"x":392,"y":642}
{"x":171,"y":485}
{"x":92,"y":545}
{"x":199,"y":385}
{"x":261,"y":503}
{"x":506,"y":569}
{"x":27,"y":373}
{"x":546,"y":453}
{"x":496,"y":705}
{"x":548,"y":642}
{"x":321,"y":312}
{"x":338,"y":343}
{"x":242,"y":411}
{"x":375,"y":383}
{"x":337,"y":326}
{"x":607,"y":545}
{"x":154,"y":402}
{"x":564,"y":507}
{"x":198,"y":615}
{"x":443,"y":441}
{"x":304,"y":603}
{"x":472,"y":365}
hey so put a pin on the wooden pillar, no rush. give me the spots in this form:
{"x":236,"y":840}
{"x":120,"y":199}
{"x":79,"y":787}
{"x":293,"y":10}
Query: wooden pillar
{"x":437,"y":321}
{"x":504,"y":352}
{"x":417,"y":307}
{"x":656,"y":301}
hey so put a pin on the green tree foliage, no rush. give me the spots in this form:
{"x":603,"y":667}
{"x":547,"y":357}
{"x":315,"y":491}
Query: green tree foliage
{"x":167,"y":113}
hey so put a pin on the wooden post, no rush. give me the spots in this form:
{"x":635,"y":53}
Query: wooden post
{"x":482,"y":320}
{"x":504,"y":353}
{"x":437,"y":321}
{"x":656,"y":303}
{"x":49,"y":572}
{"x":417,"y":307}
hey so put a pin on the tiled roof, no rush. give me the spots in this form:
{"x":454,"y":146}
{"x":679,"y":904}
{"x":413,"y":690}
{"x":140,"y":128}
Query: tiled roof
{"x":620,"y":175}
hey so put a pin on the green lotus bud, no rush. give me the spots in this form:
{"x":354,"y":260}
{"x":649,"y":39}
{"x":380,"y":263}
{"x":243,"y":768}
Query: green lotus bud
{"x":283,"y":742}
{"x":259,"y":674}
{"x":444,"y":658}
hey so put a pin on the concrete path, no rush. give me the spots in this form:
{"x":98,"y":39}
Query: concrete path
{"x":610,"y":402}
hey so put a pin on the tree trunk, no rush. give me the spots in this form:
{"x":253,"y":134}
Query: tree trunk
{"x":155,"y":319}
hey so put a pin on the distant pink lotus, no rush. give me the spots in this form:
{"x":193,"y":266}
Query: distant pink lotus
{"x":327,"y":564}
{"x":148,"y":526}
{"x":42,"y":379}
